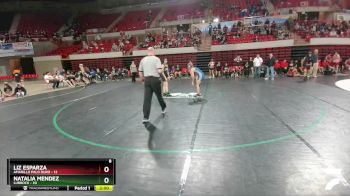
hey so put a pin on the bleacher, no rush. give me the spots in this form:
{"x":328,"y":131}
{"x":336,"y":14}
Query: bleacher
{"x":299,"y":3}
{"x":181,"y":12}
{"x":137,"y":20}
{"x":35,"y":22}
{"x":96,"y":20}
{"x":246,"y":39}
{"x":65,"y":51}
{"x":224,"y":10}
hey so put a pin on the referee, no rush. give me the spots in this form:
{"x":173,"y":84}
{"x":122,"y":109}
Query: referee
{"x":150,"y":72}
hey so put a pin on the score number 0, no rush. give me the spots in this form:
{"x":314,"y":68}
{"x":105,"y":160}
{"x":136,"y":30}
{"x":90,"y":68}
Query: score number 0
{"x":106,"y":170}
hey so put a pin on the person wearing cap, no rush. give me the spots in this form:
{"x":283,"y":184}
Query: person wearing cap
{"x":150,"y":72}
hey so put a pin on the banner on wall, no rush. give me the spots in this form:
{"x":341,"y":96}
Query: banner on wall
{"x":16,"y":49}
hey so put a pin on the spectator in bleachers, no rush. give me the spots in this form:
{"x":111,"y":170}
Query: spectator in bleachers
{"x":115,"y":47}
{"x":257,"y":65}
{"x":20,"y":91}
{"x":50,"y":79}
{"x":7,"y":90}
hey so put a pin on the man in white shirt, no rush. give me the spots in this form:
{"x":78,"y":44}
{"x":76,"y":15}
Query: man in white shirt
{"x":257,"y":65}
{"x":50,"y":79}
{"x":150,"y":72}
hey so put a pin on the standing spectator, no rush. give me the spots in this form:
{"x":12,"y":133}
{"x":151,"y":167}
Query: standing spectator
{"x":133,"y":70}
{"x":315,"y":61}
{"x":270,"y":71}
{"x":150,"y":69}
{"x":211,"y":66}
{"x":218,"y":70}
{"x":17,"y":76}
{"x":307,"y":63}
{"x":336,"y":61}
{"x":165,"y":77}
{"x":257,"y":65}
{"x":238,"y":60}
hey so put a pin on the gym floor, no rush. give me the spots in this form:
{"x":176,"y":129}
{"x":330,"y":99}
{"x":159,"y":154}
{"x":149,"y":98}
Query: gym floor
{"x":247,"y":137}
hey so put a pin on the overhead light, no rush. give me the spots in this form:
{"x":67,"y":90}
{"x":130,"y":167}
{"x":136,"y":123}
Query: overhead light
{"x":203,"y":21}
{"x":216,"y":20}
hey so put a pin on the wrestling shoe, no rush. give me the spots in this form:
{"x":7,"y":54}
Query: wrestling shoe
{"x":145,"y":120}
{"x":164,"y":111}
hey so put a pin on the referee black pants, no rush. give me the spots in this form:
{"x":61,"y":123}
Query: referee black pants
{"x":152,"y":84}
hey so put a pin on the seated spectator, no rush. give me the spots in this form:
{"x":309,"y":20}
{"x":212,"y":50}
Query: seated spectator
{"x":20,"y":91}
{"x":113,"y":74}
{"x":347,"y":64}
{"x":105,"y":74}
{"x":323,"y":65}
{"x":172,"y":72}
{"x":177,"y":71}
{"x":115,"y":48}
{"x":93,"y":75}
{"x":50,"y":79}
{"x":278,"y":67}
{"x":2,"y":97}
{"x":284,"y":67}
{"x":62,"y":78}
{"x":226,"y":71}
{"x":232,"y":71}
{"x":299,"y":67}
{"x":119,"y":74}
{"x":7,"y":90}
{"x":292,"y":70}
{"x":71,"y":78}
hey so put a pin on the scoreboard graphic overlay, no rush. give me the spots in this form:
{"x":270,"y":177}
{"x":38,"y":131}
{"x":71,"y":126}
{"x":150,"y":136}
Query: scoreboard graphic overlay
{"x":61,"y":174}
